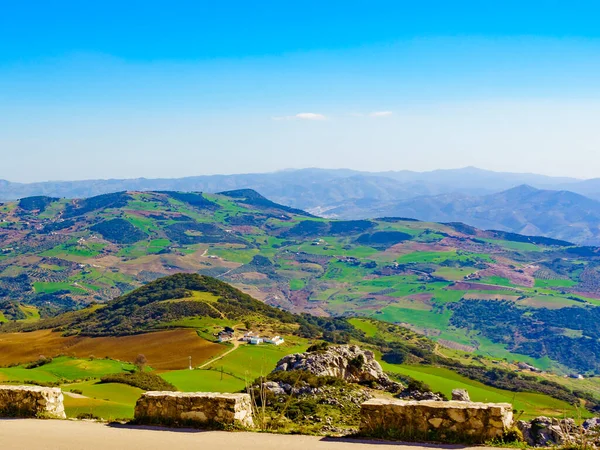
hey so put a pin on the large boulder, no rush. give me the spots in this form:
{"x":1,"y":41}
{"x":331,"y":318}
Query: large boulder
{"x":348,"y":362}
{"x":545,"y":431}
{"x":461,"y":395}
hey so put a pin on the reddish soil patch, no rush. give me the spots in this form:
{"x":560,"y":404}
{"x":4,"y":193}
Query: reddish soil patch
{"x":520,"y":277}
{"x":425,"y":297}
{"x":165,"y":350}
{"x":466,"y":286}
{"x":456,"y":346}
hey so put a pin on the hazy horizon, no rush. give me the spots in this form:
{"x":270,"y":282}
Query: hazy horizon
{"x":291,"y":169}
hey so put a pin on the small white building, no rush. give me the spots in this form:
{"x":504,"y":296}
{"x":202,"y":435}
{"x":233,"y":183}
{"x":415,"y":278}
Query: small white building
{"x":246,"y":337}
{"x":225,"y":337}
{"x":275,"y":340}
{"x":256,"y":340}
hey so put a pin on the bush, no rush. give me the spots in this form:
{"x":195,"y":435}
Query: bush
{"x":297,"y":377}
{"x":42,"y":361}
{"x":146,"y":381}
{"x":318,"y":347}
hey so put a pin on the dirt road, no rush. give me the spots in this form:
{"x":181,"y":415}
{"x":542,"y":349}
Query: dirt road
{"x":18,"y":434}
{"x":235,"y":343}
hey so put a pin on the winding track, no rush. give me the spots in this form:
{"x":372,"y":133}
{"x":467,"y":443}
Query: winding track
{"x":19,"y":434}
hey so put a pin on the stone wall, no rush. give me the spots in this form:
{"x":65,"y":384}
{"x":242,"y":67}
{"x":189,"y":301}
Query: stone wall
{"x":31,"y":401}
{"x":199,"y":409}
{"x":454,"y":421}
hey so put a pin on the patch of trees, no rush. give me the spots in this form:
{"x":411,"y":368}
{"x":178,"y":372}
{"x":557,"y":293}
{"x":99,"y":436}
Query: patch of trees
{"x":396,"y":219}
{"x":84,"y":206}
{"x":57,"y":226}
{"x":190,"y":233}
{"x":21,"y":284}
{"x":146,"y":381}
{"x":262,"y":262}
{"x":314,"y":228}
{"x":463,"y":228}
{"x":588,"y":252}
{"x":253,"y":220}
{"x":533,"y":331}
{"x":538,"y":240}
{"x":37,"y":203}
{"x":59,"y":301}
{"x":308,"y":228}
{"x":11,"y":310}
{"x":349,"y":227}
{"x":382,"y":240}
{"x":119,"y":231}
{"x":516,"y":382}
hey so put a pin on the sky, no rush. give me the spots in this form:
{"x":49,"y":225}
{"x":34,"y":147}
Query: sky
{"x":168,"y":89}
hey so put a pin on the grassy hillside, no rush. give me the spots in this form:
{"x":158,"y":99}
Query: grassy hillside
{"x":59,"y":254}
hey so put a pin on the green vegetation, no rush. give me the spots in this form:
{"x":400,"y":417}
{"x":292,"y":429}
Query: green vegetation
{"x":146,"y":381}
{"x":205,"y":381}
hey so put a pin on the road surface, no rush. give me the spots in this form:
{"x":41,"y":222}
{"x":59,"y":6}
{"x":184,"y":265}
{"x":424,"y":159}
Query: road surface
{"x":20,"y":434}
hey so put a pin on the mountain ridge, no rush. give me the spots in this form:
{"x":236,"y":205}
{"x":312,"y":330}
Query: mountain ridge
{"x":349,"y":194}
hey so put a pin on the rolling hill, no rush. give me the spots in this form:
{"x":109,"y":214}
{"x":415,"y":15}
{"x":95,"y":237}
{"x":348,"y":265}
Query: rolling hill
{"x":59,"y":255}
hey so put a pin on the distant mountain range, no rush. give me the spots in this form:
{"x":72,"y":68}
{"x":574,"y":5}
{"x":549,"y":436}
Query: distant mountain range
{"x":558,"y":207}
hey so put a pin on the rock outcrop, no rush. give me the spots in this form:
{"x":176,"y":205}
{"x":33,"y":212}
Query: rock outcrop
{"x":31,"y":401}
{"x":435,"y":421}
{"x":201,"y":409}
{"x":348,"y":362}
{"x":460,"y":395}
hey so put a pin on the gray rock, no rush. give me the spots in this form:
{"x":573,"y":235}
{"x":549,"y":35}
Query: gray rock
{"x":274,"y":387}
{"x":348,"y":362}
{"x":592,"y":424}
{"x":544,"y":431}
{"x":461,"y":395}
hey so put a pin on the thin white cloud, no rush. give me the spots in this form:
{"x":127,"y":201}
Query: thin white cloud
{"x":381,"y":114}
{"x":310,"y":116}
{"x":302,"y":116}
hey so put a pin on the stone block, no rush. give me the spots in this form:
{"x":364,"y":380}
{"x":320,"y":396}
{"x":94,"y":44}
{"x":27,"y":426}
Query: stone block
{"x":31,"y":401}
{"x":199,"y":409}
{"x":454,"y":421}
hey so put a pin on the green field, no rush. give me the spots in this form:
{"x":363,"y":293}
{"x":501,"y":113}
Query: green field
{"x":109,"y":401}
{"x":50,"y":287}
{"x":249,"y":362}
{"x":64,"y":368}
{"x":204,"y":381}
{"x":444,"y":380}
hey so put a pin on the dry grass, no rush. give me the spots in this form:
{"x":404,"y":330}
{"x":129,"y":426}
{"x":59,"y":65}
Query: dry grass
{"x":165,"y":350}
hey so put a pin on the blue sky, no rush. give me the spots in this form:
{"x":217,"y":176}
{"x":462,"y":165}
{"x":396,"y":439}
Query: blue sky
{"x":166,"y":89}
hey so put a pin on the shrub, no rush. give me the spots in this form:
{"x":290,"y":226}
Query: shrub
{"x":146,"y":381}
{"x":42,"y":361}
{"x":318,"y":347}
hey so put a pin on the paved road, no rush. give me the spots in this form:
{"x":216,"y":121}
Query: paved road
{"x":20,"y":434}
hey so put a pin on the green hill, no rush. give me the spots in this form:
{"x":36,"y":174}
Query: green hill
{"x":60,"y":255}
